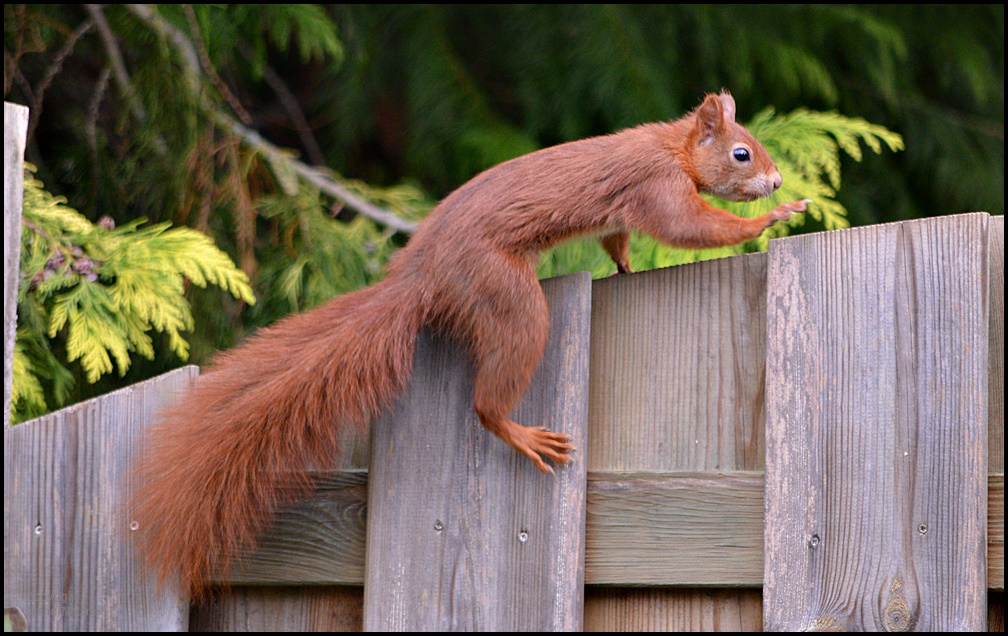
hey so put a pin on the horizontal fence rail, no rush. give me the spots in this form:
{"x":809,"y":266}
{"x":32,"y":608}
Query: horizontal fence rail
{"x":663,"y":529}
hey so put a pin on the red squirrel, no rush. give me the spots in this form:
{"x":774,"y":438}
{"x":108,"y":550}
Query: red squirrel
{"x":242,"y":441}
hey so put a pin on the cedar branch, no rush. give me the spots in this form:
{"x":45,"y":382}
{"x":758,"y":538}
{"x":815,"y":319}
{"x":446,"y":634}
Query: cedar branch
{"x":315,"y":176}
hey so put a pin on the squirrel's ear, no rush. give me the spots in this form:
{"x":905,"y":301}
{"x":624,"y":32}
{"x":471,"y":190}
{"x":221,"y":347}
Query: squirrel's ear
{"x":710,"y":118}
{"x":728,"y":106}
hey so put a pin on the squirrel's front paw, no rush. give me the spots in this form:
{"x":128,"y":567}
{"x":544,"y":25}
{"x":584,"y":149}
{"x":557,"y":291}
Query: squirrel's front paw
{"x":784,"y":211}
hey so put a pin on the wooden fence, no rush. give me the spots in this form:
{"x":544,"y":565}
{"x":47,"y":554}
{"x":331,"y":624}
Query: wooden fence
{"x":811,"y":438}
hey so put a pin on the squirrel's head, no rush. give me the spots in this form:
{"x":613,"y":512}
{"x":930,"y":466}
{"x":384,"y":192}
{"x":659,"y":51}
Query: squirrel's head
{"x":727,"y":161}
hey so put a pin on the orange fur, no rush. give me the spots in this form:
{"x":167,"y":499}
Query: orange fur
{"x":242,"y":441}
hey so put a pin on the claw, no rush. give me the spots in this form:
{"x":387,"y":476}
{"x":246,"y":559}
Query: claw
{"x":536,"y":443}
{"x":551,"y":445}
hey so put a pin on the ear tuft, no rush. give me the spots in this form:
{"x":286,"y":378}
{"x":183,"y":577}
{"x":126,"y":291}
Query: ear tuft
{"x":727,"y":106}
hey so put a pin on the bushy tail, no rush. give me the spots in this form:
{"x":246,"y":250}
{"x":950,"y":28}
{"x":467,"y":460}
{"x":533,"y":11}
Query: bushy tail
{"x":242,"y":440}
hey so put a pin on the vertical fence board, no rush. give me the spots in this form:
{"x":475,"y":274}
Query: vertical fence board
{"x":15,"y":129}
{"x":996,"y":347}
{"x":995,"y":430}
{"x":69,"y":559}
{"x":677,"y":369}
{"x":463,"y":532}
{"x":677,"y":362}
{"x":876,"y":471}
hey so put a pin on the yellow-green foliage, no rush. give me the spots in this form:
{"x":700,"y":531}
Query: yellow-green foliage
{"x":805,"y":145}
{"x":100,"y":291}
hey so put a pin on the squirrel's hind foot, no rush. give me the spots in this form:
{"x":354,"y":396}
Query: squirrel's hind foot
{"x":536,"y":443}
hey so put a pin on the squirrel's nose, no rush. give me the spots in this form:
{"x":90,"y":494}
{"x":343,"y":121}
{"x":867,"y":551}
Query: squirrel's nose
{"x":776,"y":179}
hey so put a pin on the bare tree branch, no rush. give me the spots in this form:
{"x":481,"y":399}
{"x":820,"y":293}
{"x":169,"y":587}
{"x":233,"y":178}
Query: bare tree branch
{"x":315,"y":176}
{"x":290,"y":104}
{"x":116,"y":60}
{"x":209,"y":69}
{"x":319,"y":179}
{"x":119,"y":70}
{"x":53,"y":69}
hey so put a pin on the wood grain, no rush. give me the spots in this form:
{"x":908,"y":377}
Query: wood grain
{"x":318,"y":540}
{"x":642,"y":528}
{"x":995,"y":442}
{"x":15,"y":129}
{"x":995,"y":428}
{"x":673,"y":610}
{"x":876,"y":472}
{"x":282,"y":609}
{"x":677,"y":377}
{"x":677,"y":368}
{"x":463,"y":532}
{"x":675,"y":529}
{"x":68,"y":547}
{"x":995,"y":531}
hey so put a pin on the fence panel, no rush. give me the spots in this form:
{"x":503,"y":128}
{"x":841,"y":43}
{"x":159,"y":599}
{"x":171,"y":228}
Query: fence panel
{"x":995,"y":441}
{"x":677,"y":372}
{"x":69,"y":558}
{"x":876,"y":472}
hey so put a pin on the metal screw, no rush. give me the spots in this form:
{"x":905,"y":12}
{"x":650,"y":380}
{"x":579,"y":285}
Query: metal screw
{"x":38,"y":529}
{"x":813,"y":541}
{"x":134,"y":525}
{"x":438,"y":526}
{"x":922,"y":528}
{"x":523,"y":536}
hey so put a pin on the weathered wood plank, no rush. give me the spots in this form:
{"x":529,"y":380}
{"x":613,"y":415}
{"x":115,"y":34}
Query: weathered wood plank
{"x":677,"y":373}
{"x":995,"y":441}
{"x":69,"y":559}
{"x":319,"y":540}
{"x":15,"y":130}
{"x":677,"y":368}
{"x":282,"y":609}
{"x":673,"y":610}
{"x":995,"y":428}
{"x":677,"y":529}
{"x":463,"y":532}
{"x":876,"y":471}
{"x":995,"y":531}
{"x":634,"y":525}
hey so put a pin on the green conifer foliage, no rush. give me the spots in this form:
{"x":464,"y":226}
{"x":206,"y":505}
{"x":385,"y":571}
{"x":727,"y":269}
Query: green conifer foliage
{"x":308,"y":140}
{"x":91,"y":294}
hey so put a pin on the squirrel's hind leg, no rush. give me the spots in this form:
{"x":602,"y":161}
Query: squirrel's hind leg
{"x":513,"y":326}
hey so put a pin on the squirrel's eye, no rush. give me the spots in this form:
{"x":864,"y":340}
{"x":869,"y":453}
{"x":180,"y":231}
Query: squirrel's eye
{"x":740,"y":154}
